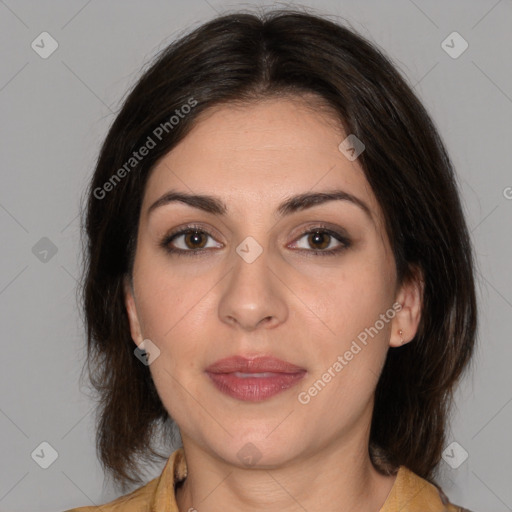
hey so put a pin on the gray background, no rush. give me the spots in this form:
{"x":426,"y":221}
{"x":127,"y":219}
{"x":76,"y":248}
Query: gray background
{"x":55,"y":113}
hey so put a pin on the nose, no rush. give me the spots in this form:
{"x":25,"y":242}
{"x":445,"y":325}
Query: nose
{"x":253,"y":295}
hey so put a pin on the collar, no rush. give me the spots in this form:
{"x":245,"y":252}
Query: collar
{"x":175,"y":470}
{"x":411,"y":493}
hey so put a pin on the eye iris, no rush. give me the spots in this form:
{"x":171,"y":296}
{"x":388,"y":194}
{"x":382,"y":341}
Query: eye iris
{"x":195,"y":237}
{"x":317,"y":238}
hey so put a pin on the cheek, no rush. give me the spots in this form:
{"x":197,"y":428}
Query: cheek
{"x":349,"y":360}
{"x":351,"y":309}
{"x":165,"y":292}
{"x":166,"y":304}
{"x":171,"y":309}
{"x":355,"y":297}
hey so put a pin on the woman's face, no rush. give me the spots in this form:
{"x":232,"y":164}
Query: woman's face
{"x":254,"y":283}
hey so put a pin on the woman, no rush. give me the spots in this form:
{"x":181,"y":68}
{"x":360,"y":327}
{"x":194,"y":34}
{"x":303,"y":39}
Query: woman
{"x":278,"y":264}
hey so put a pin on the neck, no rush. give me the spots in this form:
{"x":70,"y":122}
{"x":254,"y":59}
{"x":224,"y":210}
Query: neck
{"x":338,"y":477}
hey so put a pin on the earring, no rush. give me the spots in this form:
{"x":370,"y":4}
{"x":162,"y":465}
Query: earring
{"x":400,"y":332}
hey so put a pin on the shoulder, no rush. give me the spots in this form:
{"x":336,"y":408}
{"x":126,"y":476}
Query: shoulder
{"x":138,"y":500}
{"x":157,"y":494}
{"x":411,"y":493}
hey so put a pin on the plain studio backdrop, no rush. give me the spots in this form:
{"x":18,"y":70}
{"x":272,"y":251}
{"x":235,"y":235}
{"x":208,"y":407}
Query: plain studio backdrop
{"x":58,"y":98}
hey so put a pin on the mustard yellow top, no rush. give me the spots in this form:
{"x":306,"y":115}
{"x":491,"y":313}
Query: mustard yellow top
{"x":410,"y":493}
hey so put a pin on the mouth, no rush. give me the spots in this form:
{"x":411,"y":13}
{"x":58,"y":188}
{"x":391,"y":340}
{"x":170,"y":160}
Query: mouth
{"x":254,"y":379}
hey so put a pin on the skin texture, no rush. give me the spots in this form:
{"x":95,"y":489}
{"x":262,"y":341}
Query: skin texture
{"x":290,"y":303}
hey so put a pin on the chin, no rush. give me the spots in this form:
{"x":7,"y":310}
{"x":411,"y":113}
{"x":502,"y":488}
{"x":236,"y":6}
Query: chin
{"x":260,"y":451}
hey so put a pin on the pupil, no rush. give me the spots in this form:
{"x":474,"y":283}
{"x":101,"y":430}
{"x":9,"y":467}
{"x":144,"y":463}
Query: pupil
{"x":195,"y":236}
{"x":317,"y":238}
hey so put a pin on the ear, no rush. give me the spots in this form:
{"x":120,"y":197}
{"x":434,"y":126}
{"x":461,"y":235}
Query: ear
{"x":407,"y":319}
{"x":131,"y":309}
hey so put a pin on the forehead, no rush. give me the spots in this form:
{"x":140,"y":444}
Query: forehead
{"x":256,"y":154}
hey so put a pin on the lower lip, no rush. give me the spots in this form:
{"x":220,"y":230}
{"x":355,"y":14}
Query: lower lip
{"x":254,"y":389}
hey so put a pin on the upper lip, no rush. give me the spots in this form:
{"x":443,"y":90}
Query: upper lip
{"x":253,"y":365}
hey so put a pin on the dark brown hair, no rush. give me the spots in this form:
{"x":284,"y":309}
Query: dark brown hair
{"x":246,"y":57}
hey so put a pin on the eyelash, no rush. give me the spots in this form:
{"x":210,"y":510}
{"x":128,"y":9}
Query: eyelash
{"x":198,"y":229}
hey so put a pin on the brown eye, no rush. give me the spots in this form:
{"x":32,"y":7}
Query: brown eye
{"x":195,"y":239}
{"x":322,"y":242}
{"x":190,"y":240}
{"x":319,"y":240}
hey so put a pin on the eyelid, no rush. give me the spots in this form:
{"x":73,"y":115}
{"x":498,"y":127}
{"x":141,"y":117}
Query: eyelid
{"x":182,"y":230}
{"x":321,"y":226}
{"x":336,"y":232}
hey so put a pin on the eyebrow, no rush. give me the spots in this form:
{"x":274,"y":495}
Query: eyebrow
{"x":216,"y":206}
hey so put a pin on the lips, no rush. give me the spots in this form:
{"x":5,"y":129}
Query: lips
{"x":252,"y":365}
{"x":254,"y":379}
